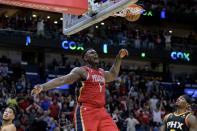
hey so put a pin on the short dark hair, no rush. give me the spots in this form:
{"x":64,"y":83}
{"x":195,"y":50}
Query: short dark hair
{"x":13,"y":109}
{"x":85,"y":51}
{"x":188,"y":99}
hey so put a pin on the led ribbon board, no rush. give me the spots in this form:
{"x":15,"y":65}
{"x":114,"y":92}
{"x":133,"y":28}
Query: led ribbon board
{"x":76,"y":7}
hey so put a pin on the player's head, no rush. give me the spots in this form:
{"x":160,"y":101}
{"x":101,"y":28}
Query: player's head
{"x":183,"y":101}
{"x":9,"y":114}
{"x":90,"y":56}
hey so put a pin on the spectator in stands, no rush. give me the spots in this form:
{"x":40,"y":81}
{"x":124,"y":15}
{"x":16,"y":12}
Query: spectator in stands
{"x":144,"y":118}
{"x":40,"y":28}
{"x":54,"y":110}
{"x":11,"y":101}
{"x":115,"y":115}
{"x":168,"y":41}
{"x":71,"y":102}
{"x":33,"y":111}
{"x":157,"y":121}
{"x":158,"y":41}
{"x":144,"y":39}
{"x":150,"y":41}
{"x":131,"y":123}
{"x":137,"y":40}
{"x":153,"y":102}
{"x":20,"y":86}
{"x":45,"y":103}
{"x":4,"y":70}
{"x":46,"y":118}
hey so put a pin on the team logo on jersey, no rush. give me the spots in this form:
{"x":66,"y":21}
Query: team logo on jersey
{"x":175,"y":125}
{"x":98,"y":78}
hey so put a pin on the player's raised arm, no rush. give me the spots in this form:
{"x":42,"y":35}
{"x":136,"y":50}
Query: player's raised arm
{"x":192,"y":122}
{"x":76,"y":74}
{"x":114,"y":70}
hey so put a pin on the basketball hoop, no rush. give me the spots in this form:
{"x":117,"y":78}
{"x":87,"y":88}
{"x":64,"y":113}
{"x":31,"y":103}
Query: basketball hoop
{"x":96,"y":13}
{"x":131,"y":13}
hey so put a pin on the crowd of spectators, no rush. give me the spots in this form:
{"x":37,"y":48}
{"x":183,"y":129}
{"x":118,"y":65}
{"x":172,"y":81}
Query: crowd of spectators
{"x":135,"y":103}
{"x":121,"y":34}
{"x":114,"y":32}
{"x":172,"y":6}
{"x":31,"y":25}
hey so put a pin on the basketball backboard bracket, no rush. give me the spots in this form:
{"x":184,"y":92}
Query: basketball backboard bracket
{"x":73,"y":24}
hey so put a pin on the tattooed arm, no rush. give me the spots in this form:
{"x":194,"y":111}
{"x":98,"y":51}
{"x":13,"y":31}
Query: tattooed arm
{"x":76,"y":74}
{"x":114,"y":70}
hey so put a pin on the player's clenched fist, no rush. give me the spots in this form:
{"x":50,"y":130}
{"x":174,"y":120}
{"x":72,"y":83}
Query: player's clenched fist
{"x":37,"y":89}
{"x":122,"y":53}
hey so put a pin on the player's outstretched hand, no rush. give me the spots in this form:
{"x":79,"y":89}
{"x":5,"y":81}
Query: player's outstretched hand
{"x":122,"y":53}
{"x":37,"y":89}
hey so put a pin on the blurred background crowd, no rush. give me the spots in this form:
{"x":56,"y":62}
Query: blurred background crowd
{"x":132,"y":100}
{"x":141,"y":95}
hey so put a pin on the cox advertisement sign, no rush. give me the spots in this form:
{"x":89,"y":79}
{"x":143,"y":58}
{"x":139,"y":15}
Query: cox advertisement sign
{"x":180,"y":55}
{"x":76,"y":7}
{"x":76,"y":46}
{"x":71,"y":45}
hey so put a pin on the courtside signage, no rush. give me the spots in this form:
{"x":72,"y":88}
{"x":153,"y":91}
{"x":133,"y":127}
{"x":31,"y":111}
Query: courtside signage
{"x":76,"y":7}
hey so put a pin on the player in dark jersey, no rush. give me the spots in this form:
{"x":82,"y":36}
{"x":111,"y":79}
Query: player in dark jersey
{"x":182,"y":119}
{"x":90,"y":114}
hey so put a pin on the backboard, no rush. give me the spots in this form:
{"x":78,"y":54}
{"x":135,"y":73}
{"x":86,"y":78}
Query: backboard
{"x":96,"y":13}
{"x":76,"y":7}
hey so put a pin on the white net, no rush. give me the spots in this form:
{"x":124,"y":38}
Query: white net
{"x":129,"y":10}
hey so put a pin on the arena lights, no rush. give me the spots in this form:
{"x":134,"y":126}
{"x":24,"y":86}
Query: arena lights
{"x":105,"y":48}
{"x":55,"y":22}
{"x":191,"y":92}
{"x":163,"y":14}
{"x":34,"y":15}
{"x":28,"y":40}
{"x":180,"y":55}
{"x":71,"y":45}
{"x":170,"y":31}
{"x":143,"y":55}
